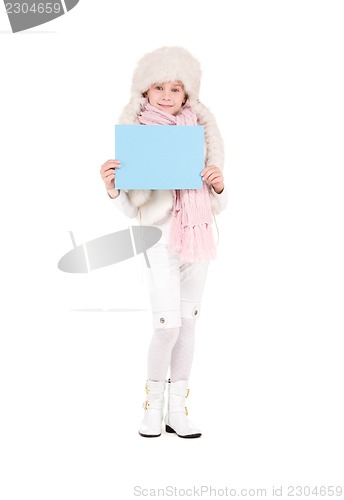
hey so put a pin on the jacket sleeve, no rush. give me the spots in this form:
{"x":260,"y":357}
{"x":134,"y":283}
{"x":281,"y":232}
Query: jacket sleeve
{"x":219,"y":201}
{"x":214,"y":152}
{"x":213,"y":139}
{"x":123,"y":203}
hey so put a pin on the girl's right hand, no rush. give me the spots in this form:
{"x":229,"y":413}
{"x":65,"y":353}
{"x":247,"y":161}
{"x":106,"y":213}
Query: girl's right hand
{"x":107,"y":171}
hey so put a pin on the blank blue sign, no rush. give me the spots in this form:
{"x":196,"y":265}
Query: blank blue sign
{"x":159,"y":156}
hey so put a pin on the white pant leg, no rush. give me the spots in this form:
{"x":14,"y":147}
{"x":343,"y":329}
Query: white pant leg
{"x":192,"y":280}
{"x":175,"y":289}
{"x":164,"y":285}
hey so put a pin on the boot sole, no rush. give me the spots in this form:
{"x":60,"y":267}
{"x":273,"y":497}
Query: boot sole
{"x":189,"y":436}
{"x":149,"y":435}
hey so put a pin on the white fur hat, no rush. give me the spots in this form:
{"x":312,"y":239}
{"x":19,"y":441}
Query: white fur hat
{"x":167,"y":64}
{"x":170,"y":64}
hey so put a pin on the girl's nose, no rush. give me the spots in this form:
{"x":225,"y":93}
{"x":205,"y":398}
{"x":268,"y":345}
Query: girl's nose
{"x":166,"y":95}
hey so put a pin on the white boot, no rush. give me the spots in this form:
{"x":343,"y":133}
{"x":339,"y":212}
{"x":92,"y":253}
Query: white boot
{"x":176,"y":419}
{"x":154,"y":407}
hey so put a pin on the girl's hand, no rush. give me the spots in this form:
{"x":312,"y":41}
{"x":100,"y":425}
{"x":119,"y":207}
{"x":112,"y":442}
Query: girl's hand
{"x":107,"y":171}
{"x":213,"y":176}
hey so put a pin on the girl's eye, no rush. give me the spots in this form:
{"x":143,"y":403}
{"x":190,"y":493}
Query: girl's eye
{"x":175,"y":90}
{"x":158,"y":87}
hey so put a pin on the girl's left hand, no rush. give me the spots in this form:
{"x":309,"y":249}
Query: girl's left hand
{"x":213,"y":175}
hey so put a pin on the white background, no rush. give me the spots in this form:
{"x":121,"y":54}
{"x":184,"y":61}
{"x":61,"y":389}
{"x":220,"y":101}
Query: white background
{"x":267,"y":380}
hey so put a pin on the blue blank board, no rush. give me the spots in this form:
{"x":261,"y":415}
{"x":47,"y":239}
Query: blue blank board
{"x":159,"y":156}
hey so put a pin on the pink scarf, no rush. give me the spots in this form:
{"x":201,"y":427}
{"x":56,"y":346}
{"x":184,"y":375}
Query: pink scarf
{"x":191,"y":233}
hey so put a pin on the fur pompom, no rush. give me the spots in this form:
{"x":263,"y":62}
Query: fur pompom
{"x":139,"y":197}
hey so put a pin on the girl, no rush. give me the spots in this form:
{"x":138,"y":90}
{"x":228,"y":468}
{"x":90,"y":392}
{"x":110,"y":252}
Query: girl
{"x":165,"y":91}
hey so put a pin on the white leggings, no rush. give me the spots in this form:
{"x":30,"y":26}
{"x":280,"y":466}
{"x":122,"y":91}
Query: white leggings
{"x":175,"y":292}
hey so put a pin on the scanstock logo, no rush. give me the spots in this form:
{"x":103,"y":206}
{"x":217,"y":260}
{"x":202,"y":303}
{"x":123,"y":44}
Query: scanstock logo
{"x":30,"y":13}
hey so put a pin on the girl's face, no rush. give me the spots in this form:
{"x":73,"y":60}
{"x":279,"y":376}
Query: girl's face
{"x":168,"y":96}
